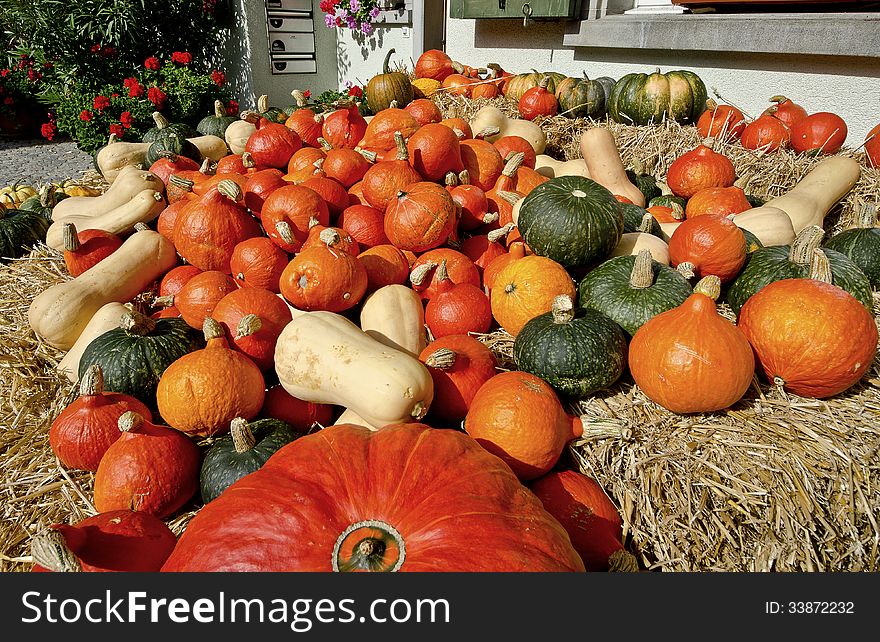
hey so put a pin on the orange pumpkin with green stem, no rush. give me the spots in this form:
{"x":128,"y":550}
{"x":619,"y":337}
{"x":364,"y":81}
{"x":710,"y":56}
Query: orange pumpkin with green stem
{"x":421,"y":217}
{"x":253,"y":318}
{"x":287,"y":214}
{"x":705,"y":245}
{"x":85,"y":249}
{"x":459,"y":267}
{"x":324,"y":278}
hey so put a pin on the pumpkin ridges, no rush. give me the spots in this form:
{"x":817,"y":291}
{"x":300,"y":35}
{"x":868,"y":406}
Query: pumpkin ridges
{"x":466,"y":364}
{"x":526,"y":288}
{"x":422,"y":217}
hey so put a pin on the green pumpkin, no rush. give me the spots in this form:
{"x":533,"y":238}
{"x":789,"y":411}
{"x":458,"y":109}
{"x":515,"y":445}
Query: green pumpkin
{"x":793,"y":261}
{"x":273,"y":114}
{"x":642,"y":99}
{"x":755,"y":201}
{"x":388,"y":87}
{"x":20,"y":230}
{"x":630,"y":290}
{"x":163,"y":126}
{"x":577,"y":352}
{"x":43,"y":203}
{"x":134,"y":355}
{"x":244,"y":450}
{"x":580,"y":98}
{"x":607,"y":83}
{"x":646,"y":183}
{"x":521,"y":83}
{"x":171,"y":142}
{"x":753,"y":243}
{"x":667,"y":200}
{"x":216,"y":123}
{"x":861,"y":245}
{"x":572,"y":220}
{"x":634,"y":220}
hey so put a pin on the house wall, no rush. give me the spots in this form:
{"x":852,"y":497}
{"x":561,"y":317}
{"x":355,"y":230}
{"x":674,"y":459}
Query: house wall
{"x":848,"y":86}
{"x":360,"y":58}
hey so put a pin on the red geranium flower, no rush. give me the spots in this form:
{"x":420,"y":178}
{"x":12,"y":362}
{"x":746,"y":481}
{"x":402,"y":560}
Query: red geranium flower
{"x":4,"y":73}
{"x":181,"y":57}
{"x":218,"y":77}
{"x":117,"y":129}
{"x":135,"y":90}
{"x":48,"y":130}
{"x":152,"y":63}
{"x":128,"y":82}
{"x":107,"y":52}
{"x":156,"y":96}
{"x":356,"y":91}
{"x":8,"y":100}
{"x":307,"y":93}
{"x":101,"y":102}
{"x":232,"y":108}
{"x":126,"y":119}
{"x":85,"y":115}
{"x":95,"y":48}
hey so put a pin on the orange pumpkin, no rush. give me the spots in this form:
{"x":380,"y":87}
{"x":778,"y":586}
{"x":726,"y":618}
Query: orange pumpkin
{"x":197,"y":298}
{"x":484,"y":90}
{"x":456,"y":308}
{"x":434,"y":64}
{"x":331,"y":191}
{"x":691,"y":359}
{"x":203,"y":391}
{"x":459,"y":366}
{"x":421,"y":217}
{"x":482,"y":162}
{"x":304,"y":164}
{"x":259,"y":185}
{"x":272,"y":144}
{"x":434,"y":150}
{"x":767,"y":133}
{"x":176,"y":278}
{"x":258,"y":263}
{"x":287,"y":214}
{"x":527,"y":179}
{"x":717,"y":200}
{"x":307,"y":125}
{"x":345,"y":127}
{"x":302,"y":415}
{"x":380,"y":131}
{"x":872,"y":147}
{"x":168,"y":217}
{"x":320,"y":278}
{"x":458,"y":125}
{"x":538,"y":101}
{"x":484,"y":248}
{"x":474,"y":206}
{"x":424,"y":111}
{"x":459,"y":267}
{"x":385,"y":179}
{"x":365,"y":224}
{"x":253,"y":318}
{"x":87,"y":248}
{"x":666,"y":214}
{"x":516,"y":251}
{"x":819,"y":133}
{"x":705,"y":245}
{"x":385,"y":265}
{"x":457,"y":85}
{"x":507,"y":145}
{"x":785,"y":110}
{"x":333,"y":237}
{"x":526,"y":288}
{"x":723,"y":122}
{"x":699,"y":168}
{"x":346,"y":166}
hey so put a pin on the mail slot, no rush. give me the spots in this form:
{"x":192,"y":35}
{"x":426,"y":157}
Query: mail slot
{"x":294,"y":65}
{"x":288,"y":24}
{"x":292,"y":42}
{"x":289,"y":5}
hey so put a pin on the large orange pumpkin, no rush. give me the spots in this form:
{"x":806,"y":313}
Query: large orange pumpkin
{"x":707,"y":245}
{"x":287,"y":215}
{"x":717,"y":200}
{"x":434,"y":64}
{"x":691,"y":359}
{"x":424,"y":275}
{"x":407,"y":498}
{"x":323,"y":278}
{"x":421,"y":217}
{"x":482,"y":162}
{"x":699,"y":168}
{"x":526,"y":288}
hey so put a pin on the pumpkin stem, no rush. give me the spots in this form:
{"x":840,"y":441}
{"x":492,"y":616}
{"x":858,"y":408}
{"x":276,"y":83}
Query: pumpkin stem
{"x":495,"y":235}
{"x":368,"y":155}
{"x":51,"y":551}
{"x":385,"y":68}
{"x":299,"y":97}
{"x":219,"y":109}
{"x":112,"y":139}
{"x":250,"y":116}
{"x":130,"y":421}
{"x":488,"y":131}
{"x":464,"y":177}
{"x":92,"y":382}
{"x":451,"y":179}
{"x":325,"y":144}
{"x":562,"y":309}
{"x":642,"y":275}
{"x":457,"y":67}
{"x":459,"y":134}
{"x":647,"y":224}
{"x":142,"y":227}
{"x":71,"y":240}
{"x":867,"y":216}
{"x":212,"y":329}
{"x":711,"y":105}
{"x":285,"y":232}
{"x":490,"y":217}
{"x":393,"y":104}
{"x":419,"y":411}
{"x":133,"y":322}
{"x":820,"y":267}
{"x":230,"y":189}
{"x":778,"y":99}
{"x":709,"y":142}
{"x":169,"y":155}
{"x":318,"y":165}
{"x":242,"y":437}
{"x":585,"y":428}
{"x":247,"y":160}
{"x":419,"y":273}
{"x":622,"y":562}
{"x":686,"y":269}
{"x":807,"y":240}
{"x":205,"y":167}
{"x":442,"y":358}
{"x":370,"y":545}
{"x":263,"y":103}
{"x":513,"y":164}
{"x":511,"y":197}
{"x":181,"y":182}
{"x":402,"y":152}
{"x":544,"y":82}
{"x":677,"y":211}
{"x":313,"y":222}
{"x":710,"y":286}
{"x":160,"y":120}
{"x":249,"y":325}
{"x":329,"y":236}
{"x":441,"y":274}
{"x":48,"y":197}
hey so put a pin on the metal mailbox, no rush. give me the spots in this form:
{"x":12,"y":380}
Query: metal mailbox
{"x":514,"y":8}
{"x":290,"y":27}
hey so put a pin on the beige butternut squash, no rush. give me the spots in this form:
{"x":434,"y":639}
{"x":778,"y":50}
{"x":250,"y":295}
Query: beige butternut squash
{"x":351,"y":417}
{"x":325,"y":358}
{"x":394,"y":316}
{"x":815,"y":194}
{"x":128,"y":183}
{"x":632,"y":243}
{"x":212,"y":147}
{"x":143,"y":208}
{"x":237,"y":135}
{"x":116,"y":155}
{"x":294,"y":312}
{"x":599,"y":151}
{"x":60,"y":314}
{"x":490,"y":117}
{"x":771,"y":225}
{"x":105,"y":319}
{"x":551,"y":168}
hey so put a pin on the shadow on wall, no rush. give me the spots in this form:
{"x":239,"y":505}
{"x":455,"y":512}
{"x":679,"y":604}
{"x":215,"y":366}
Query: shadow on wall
{"x":232,"y":55}
{"x":367,"y":44}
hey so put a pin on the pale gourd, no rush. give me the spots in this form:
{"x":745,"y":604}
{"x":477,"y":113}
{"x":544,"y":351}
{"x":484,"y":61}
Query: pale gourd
{"x":60,"y":314}
{"x":770,"y":225}
{"x":105,"y":319}
{"x":294,"y":312}
{"x":237,"y":135}
{"x":143,"y":208}
{"x":351,"y":417}
{"x":632,"y":243}
{"x":815,"y":194}
{"x":599,"y":151}
{"x":323,"y":357}
{"x":128,"y":183}
{"x":551,"y":168}
{"x":116,"y":155}
{"x":212,"y":147}
{"x":394,"y":315}
{"x":490,"y":117}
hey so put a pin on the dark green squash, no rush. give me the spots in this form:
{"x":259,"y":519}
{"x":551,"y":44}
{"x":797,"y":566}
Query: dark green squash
{"x":753,"y":243}
{"x":646,"y":183}
{"x":641,"y":99}
{"x":20,"y":230}
{"x":572,"y":220}
{"x":634,"y":220}
{"x":163,"y":126}
{"x":169,"y":141}
{"x":388,"y":87}
{"x":216,"y":123}
{"x":577,"y":351}
{"x":667,"y":200}
{"x":244,"y":450}
{"x":134,"y":355}
{"x":775,"y":263}
{"x":607,"y":83}
{"x":630,"y":290}
{"x":861,"y":244}
{"x":580,"y":98}
{"x":755,"y":201}
{"x":43,"y":203}
{"x":301,"y":102}
{"x":274,"y":114}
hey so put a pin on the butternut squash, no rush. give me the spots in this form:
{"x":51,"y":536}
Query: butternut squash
{"x":351,"y":417}
{"x":294,"y":312}
{"x":116,"y":155}
{"x":633,"y":242}
{"x":212,"y":147}
{"x":771,"y":225}
{"x":105,"y":319}
{"x":143,"y":208}
{"x":60,"y":314}
{"x":551,"y":168}
{"x":128,"y":183}
{"x":394,"y":316}
{"x":237,"y":135}
{"x":490,"y":117}
{"x":325,"y":358}
{"x":809,"y":201}
{"x":599,"y":151}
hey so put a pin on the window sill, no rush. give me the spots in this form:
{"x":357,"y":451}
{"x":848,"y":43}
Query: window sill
{"x":831,"y":34}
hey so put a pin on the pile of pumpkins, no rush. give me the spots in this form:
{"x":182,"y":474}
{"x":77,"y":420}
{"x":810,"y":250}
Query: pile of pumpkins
{"x":333,"y":270}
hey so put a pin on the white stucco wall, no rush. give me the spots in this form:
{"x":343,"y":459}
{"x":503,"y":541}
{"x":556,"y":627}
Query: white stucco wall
{"x":360,"y":59}
{"x":849,"y":87}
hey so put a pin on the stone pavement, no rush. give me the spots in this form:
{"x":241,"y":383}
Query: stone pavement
{"x":38,"y":160}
